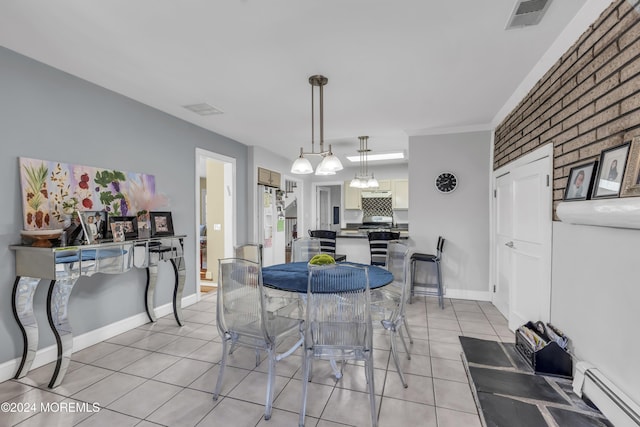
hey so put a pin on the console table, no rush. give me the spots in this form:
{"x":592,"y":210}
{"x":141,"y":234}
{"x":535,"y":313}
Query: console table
{"x":63,"y":266}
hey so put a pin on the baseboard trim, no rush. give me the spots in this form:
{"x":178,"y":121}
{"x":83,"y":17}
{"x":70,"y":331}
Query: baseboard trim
{"x":469,"y":295}
{"x":49,"y":354}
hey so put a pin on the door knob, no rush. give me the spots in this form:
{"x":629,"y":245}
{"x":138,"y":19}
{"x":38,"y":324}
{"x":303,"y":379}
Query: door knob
{"x":509,"y":244}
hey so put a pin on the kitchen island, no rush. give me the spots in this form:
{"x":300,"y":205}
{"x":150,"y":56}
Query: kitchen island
{"x":355,"y":244}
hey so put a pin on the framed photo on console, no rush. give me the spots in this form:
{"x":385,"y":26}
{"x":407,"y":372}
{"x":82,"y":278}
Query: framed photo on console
{"x":129,"y":225}
{"x":610,"y":171}
{"x":580,"y":182}
{"x":631,"y":181}
{"x":161,"y":224}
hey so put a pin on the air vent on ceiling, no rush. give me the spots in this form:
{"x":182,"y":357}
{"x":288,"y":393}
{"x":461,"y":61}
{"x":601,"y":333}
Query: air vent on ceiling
{"x":527,"y":12}
{"x":203,"y":109}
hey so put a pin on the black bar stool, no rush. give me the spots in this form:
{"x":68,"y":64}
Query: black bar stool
{"x":428,"y":288}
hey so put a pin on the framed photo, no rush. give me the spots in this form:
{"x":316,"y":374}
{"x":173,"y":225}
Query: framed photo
{"x":161,"y":224}
{"x":88,"y":227}
{"x":631,"y":181}
{"x":129,"y":225}
{"x":580,"y":182}
{"x":117,"y":231}
{"x":610,"y":171}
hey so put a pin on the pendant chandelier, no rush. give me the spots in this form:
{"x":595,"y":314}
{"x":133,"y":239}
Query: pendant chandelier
{"x":330,"y":164}
{"x":363,"y":179}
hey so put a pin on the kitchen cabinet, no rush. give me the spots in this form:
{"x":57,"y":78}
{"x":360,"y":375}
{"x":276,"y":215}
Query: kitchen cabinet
{"x":268,"y":178}
{"x":400,"y":194}
{"x":384,"y":185}
{"x":352,"y":197}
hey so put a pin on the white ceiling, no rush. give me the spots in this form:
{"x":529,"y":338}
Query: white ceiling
{"x":395,"y":67}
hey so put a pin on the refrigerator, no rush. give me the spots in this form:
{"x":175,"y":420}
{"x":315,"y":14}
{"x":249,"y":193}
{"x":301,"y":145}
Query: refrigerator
{"x":271,"y":225}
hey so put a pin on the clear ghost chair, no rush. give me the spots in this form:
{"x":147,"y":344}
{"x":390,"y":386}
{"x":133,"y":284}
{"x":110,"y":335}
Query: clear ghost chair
{"x":338,"y":323}
{"x":305,"y":248}
{"x":243,"y":320}
{"x":249,"y":251}
{"x":388,"y":302}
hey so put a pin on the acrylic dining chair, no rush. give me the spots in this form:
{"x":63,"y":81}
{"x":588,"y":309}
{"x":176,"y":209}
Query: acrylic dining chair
{"x":327,"y":240}
{"x":305,"y":248}
{"x":249,"y":251}
{"x":388,"y":302}
{"x":338,"y":324}
{"x":242,"y":320}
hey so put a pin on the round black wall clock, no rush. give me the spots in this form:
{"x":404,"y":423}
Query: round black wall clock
{"x":446,"y":182}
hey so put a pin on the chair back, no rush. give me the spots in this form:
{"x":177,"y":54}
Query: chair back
{"x":250,"y":252}
{"x":327,"y":240}
{"x":241,"y":307}
{"x":440,"y":246}
{"x":398,"y":265}
{"x":338,"y":312}
{"x":304,"y":248}
{"x":378,"y":241}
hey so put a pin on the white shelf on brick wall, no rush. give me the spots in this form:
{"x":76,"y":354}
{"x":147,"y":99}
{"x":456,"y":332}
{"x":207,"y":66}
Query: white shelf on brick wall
{"x":621,"y":213}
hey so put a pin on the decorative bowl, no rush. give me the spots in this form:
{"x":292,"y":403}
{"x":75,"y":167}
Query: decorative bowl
{"x":41,"y":237}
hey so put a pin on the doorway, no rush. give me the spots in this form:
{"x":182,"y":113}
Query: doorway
{"x":522,"y":238}
{"x":327,"y":206}
{"x":215,"y":214}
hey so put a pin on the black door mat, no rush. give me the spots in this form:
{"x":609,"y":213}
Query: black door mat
{"x":509,"y":394}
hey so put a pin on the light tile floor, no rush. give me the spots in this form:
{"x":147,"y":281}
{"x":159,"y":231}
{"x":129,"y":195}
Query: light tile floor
{"x":163,"y":374}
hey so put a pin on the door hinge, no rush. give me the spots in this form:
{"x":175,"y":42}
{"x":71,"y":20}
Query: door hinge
{"x":547,"y":180}
{"x":495,"y":193}
{"x":494,"y":289}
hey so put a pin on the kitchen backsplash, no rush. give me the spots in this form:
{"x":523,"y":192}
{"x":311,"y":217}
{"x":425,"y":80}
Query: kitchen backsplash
{"x":377,"y":206}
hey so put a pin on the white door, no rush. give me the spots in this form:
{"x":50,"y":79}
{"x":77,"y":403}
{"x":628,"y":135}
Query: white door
{"x":504,"y":230}
{"x":322,"y":203}
{"x":530,"y":296}
{"x":522,"y":252}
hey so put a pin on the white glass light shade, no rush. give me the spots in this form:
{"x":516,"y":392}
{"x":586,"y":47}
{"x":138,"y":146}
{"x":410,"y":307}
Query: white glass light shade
{"x":320,"y":171}
{"x":355,"y":183}
{"x":332,"y":162}
{"x":301,"y":166}
{"x":373,"y":183}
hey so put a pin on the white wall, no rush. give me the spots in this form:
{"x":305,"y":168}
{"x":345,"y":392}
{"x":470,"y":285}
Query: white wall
{"x":595,"y":298}
{"x":461,"y":217}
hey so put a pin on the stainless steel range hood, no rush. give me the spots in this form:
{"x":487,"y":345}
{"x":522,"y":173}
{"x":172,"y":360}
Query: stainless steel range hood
{"x":373,"y":194}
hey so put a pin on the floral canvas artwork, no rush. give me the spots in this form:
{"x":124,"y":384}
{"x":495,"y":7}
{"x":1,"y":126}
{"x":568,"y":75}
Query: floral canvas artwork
{"x":53,"y":191}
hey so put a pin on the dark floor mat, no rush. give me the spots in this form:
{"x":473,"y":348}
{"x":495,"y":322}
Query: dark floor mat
{"x":501,"y":411}
{"x":483,"y":352}
{"x":574,"y":419}
{"x":517,"y":358}
{"x":514,"y":384}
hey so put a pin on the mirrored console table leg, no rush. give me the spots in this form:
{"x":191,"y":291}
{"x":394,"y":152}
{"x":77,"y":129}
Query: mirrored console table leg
{"x":57,"y":314}
{"x":180,"y":275}
{"x":22,"y":304}
{"x":152,"y":279}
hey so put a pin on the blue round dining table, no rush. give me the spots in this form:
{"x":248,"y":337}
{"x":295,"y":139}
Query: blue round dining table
{"x":294,"y":276}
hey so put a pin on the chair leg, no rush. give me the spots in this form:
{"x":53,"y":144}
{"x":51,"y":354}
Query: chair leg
{"x":368,"y":366}
{"x":306,"y":367}
{"x":440,"y":287}
{"x":223,"y":363}
{"x":394,"y":353}
{"x":270,"y":383}
{"x":404,"y":343}
{"x":406,"y":328}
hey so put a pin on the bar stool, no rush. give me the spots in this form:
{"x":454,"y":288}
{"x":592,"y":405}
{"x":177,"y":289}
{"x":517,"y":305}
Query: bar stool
{"x":428,"y":288}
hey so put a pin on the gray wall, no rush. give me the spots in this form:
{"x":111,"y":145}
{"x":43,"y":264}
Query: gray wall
{"x":461,"y":217}
{"x":595,"y":297}
{"x":48,"y":114}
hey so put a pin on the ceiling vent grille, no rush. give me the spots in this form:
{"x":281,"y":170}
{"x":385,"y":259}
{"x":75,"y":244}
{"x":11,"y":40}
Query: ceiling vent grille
{"x":527,"y":12}
{"x":203,"y":109}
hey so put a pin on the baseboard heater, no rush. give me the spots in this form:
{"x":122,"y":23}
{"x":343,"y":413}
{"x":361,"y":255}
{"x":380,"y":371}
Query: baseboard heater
{"x":612,"y":402}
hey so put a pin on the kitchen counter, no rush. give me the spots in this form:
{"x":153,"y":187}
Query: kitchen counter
{"x":362,"y":234}
{"x":355,"y":244}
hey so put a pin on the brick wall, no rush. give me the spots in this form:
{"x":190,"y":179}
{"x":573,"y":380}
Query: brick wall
{"x":588,"y":101}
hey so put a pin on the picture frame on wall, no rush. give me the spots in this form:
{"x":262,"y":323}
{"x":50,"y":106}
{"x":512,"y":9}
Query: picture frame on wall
{"x":580,"y":182}
{"x":611,"y":169}
{"x":631,"y":181}
{"x":129,"y":225}
{"x":161,"y":224}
